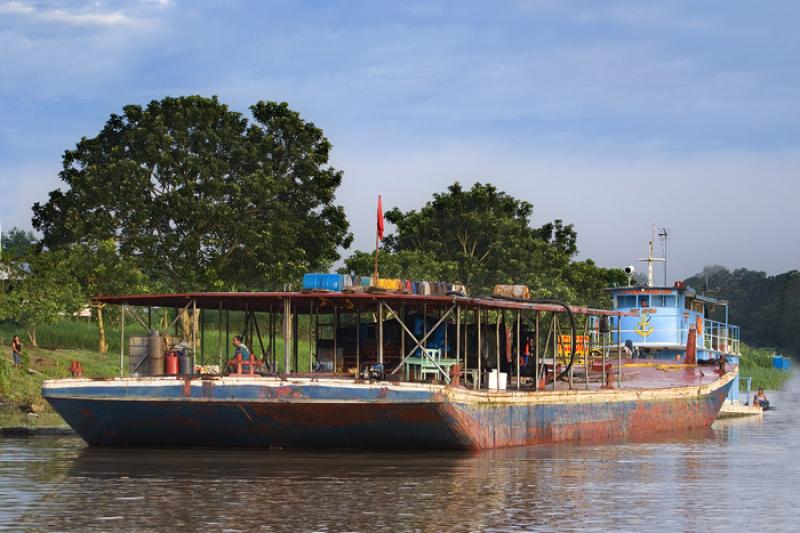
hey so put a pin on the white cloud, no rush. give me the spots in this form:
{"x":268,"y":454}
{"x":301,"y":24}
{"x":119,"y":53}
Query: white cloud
{"x":85,"y":17}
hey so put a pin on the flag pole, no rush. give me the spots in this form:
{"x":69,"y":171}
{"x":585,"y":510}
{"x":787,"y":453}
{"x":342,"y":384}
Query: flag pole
{"x":375,"y":273}
{"x":378,"y":237}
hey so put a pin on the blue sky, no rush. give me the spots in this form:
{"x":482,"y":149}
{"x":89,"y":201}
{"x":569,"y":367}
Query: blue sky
{"x":610,"y":115}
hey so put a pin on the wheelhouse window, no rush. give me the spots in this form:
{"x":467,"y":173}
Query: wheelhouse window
{"x":663,"y":301}
{"x":626,"y":301}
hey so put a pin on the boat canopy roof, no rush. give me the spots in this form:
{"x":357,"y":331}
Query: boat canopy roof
{"x":307,"y":300}
{"x":688,"y":291}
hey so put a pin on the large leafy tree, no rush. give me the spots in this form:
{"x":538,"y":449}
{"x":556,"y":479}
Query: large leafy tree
{"x":199,"y":197}
{"x":487,"y":234}
{"x":481,"y":237}
{"x":42,"y":290}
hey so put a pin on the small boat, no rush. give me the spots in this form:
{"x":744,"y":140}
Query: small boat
{"x":385,"y":370}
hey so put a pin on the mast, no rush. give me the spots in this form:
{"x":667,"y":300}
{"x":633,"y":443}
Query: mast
{"x":650,"y":259}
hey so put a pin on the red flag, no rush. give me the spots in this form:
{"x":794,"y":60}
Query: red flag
{"x":380,"y":218}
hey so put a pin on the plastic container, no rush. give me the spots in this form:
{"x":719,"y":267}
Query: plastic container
{"x":389,"y":284}
{"x":511,"y":291}
{"x":328,"y":282}
{"x":498,"y":380}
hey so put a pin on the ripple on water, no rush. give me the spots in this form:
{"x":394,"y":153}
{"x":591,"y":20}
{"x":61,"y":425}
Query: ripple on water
{"x":739,"y":472}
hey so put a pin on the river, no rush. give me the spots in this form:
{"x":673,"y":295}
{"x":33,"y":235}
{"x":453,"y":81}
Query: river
{"x":739,"y":475}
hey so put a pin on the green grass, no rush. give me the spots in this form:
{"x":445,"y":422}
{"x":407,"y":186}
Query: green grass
{"x":67,"y":341}
{"x":757,"y":364}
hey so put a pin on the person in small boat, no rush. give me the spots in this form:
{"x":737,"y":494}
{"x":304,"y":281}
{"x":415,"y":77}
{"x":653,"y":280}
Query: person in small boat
{"x":241,"y":350}
{"x":760,"y":399}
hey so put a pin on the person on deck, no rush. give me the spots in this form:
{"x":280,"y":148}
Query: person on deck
{"x":760,"y":399}
{"x":242,"y":352}
{"x":16,"y":351}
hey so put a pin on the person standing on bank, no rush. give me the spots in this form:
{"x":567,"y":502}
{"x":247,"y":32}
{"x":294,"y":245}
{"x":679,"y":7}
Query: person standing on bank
{"x":16,"y":351}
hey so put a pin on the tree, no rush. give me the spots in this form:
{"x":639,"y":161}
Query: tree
{"x":406,"y":264}
{"x":43,"y":291}
{"x":16,"y":243}
{"x":486,"y":234}
{"x":200,"y":198}
{"x":100,"y":269}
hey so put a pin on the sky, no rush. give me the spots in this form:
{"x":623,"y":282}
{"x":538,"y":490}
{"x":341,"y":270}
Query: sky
{"x":612,"y":116}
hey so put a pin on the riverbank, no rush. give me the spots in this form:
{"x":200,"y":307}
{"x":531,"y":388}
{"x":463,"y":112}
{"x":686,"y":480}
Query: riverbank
{"x":756,"y":363}
{"x":21,"y":402}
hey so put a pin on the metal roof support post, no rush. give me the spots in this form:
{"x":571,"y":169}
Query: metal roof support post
{"x":335,"y":335}
{"x":380,"y":333}
{"x":536,"y":351}
{"x":403,"y":333}
{"x":296,"y":339}
{"x":497,"y":347}
{"x":287,"y":334}
{"x":316,"y":333}
{"x":445,"y":350}
{"x":194,"y":331}
{"x":425,"y":323}
{"x":219,"y":336}
{"x":519,"y":337}
{"x":272,"y":339}
{"x":311,"y":344}
{"x":466,"y":347}
{"x":587,"y":350}
{"x":555,"y":347}
{"x":358,"y":343}
{"x":619,"y":352}
{"x":202,"y":337}
{"x":458,"y":334}
{"x":480,"y":350}
{"x":122,"y":339}
{"x":227,"y":334}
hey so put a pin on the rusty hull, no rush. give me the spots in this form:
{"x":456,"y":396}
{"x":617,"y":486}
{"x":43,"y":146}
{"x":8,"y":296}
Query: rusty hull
{"x":340,"y":413}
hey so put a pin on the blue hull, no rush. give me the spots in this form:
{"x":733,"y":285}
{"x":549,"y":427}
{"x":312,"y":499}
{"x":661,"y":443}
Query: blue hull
{"x":348,"y":415}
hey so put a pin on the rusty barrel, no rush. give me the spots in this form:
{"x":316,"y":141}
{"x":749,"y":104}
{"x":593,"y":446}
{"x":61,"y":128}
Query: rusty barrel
{"x":155,"y":354}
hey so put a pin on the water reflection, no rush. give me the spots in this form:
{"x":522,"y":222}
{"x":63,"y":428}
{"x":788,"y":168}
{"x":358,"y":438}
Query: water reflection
{"x":730,"y":476}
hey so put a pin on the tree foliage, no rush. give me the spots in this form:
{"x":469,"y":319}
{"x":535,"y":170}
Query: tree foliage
{"x":485,"y":232}
{"x":198,"y":197}
{"x":17,"y":243}
{"x":766,"y":307}
{"x":42,"y":290}
{"x":481,"y":237}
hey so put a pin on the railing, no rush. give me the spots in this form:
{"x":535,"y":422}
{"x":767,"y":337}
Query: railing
{"x":715,"y":336}
{"x":720,"y":337}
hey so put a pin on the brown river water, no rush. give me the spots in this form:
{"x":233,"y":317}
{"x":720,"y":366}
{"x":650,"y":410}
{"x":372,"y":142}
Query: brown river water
{"x":739,"y":475}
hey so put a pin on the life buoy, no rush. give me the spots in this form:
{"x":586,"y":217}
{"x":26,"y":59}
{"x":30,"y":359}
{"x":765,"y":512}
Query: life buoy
{"x":699,"y":325}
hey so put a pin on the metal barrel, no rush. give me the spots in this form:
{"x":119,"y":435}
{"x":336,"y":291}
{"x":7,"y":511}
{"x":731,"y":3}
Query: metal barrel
{"x":155,"y":353}
{"x":185,"y":364}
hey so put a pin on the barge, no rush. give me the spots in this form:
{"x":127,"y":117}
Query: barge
{"x":384,"y":370}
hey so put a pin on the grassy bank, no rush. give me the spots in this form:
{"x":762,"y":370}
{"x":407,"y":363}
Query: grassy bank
{"x":62,"y":343}
{"x":757,"y":364}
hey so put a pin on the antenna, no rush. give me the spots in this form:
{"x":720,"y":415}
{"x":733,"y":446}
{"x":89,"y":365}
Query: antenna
{"x":663,"y":235}
{"x":650,"y":259}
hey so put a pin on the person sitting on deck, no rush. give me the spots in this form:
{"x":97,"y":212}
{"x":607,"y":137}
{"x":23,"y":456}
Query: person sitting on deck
{"x":760,"y":399}
{"x":242,"y":352}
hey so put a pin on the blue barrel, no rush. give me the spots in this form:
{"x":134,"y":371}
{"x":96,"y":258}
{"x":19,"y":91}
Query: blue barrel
{"x":328,"y":282}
